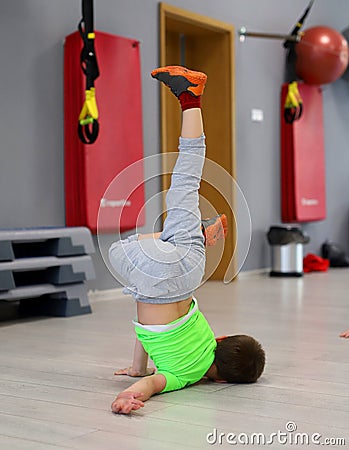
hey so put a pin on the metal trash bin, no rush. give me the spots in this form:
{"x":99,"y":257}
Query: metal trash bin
{"x":286,"y":251}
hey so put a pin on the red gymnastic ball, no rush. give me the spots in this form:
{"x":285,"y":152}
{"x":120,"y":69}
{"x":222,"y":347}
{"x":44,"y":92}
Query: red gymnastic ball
{"x":322,"y":55}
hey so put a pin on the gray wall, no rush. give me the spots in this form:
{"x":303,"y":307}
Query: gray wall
{"x":31,"y":115}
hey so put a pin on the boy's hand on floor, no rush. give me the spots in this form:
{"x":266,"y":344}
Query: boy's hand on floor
{"x":126,"y":402}
{"x":135,"y":373}
{"x":345,"y":334}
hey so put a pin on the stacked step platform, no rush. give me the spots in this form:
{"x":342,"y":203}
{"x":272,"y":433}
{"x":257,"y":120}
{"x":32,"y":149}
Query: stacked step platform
{"x":45,"y":269}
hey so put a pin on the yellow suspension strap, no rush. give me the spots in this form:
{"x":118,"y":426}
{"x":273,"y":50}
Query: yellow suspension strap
{"x":88,"y":127}
{"x":293,"y":107}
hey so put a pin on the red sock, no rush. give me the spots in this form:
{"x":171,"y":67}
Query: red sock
{"x":189,"y":101}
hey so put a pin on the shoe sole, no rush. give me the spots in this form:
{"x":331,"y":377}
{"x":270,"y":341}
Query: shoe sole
{"x":195,"y":80}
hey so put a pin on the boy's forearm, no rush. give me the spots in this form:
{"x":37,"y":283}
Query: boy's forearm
{"x":139,"y":364}
{"x":140,"y":358}
{"x":148,"y":386}
{"x":132,"y":399}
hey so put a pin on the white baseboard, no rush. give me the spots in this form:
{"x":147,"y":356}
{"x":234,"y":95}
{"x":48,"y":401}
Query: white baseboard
{"x":254,"y":273}
{"x":105,"y":295}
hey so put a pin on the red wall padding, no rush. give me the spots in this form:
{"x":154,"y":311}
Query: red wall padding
{"x":303,"y":196}
{"x":89,"y":169}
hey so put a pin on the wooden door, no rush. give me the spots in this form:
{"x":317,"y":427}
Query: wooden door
{"x":207,"y":45}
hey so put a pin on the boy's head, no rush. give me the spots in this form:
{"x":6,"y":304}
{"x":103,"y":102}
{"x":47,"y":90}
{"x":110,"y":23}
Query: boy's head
{"x":239,"y":359}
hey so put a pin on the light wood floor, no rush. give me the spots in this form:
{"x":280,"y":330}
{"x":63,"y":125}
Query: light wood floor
{"x":57,"y":383}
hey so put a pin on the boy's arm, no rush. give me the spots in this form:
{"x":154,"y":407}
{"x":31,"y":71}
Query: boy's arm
{"x":133,"y":397}
{"x":139,"y":366}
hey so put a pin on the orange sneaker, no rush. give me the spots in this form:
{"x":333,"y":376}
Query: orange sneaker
{"x":214,"y":229}
{"x":180,"y":79}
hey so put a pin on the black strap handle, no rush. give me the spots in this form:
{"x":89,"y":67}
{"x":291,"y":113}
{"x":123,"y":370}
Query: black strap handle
{"x":88,"y":133}
{"x":293,"y":114}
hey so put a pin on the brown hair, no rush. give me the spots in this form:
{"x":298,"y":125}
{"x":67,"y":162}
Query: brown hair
{"x":239,"y":359}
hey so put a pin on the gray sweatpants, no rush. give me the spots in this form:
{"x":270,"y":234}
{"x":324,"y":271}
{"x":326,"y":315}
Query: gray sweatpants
{"x":169,"y":269}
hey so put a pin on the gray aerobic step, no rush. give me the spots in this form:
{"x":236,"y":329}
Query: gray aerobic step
{"x":6,"y":252}
{"x":47,"y":299}
{"x":50,"y":269}
{"x":52,"y":241}
{"x":45,"y":269}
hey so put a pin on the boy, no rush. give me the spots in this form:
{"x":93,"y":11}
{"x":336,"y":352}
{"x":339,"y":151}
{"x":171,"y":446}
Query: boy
{"x":163,"y":270}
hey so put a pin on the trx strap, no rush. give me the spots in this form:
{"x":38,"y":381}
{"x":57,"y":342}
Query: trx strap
{"x":299,"y":24}
{"x":293,"y":107}
{"x":88,"y":119}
